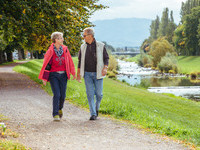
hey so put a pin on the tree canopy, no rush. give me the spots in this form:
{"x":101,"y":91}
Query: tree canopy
{"x":28,"y":24}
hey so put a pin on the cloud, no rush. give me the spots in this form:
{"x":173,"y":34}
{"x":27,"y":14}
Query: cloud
{"x":137,"y":8}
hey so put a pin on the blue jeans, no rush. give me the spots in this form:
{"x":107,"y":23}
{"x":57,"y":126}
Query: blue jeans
{"x":94,"y":86}
{"x":58,"y":85}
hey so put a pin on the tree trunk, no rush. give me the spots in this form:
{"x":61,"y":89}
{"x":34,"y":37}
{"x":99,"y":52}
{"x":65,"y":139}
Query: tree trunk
{"x":2,"y":57}
{"x":21,"y":54}
{"x":9,"y":56}
{"x":31,"y":54}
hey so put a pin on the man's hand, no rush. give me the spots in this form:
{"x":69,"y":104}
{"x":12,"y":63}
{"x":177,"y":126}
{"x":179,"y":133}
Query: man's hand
{"x":78,"y":75}
{"x":104,"y":71}
{"x":44,"y":82}
{"x":78,"y":78}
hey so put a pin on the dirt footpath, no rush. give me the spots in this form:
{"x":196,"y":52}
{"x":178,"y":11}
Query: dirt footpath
{"x":29,"y":109}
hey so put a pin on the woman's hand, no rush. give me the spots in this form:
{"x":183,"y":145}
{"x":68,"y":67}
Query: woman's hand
{"x":74,"y":77}
{"x":44,"y":82}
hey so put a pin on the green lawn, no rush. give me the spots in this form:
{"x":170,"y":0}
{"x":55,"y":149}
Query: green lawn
{"x":188,"y":64}
{"x":168,"y":115}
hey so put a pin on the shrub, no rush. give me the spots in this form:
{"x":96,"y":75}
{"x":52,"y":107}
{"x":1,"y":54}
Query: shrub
{"x":115,"y":71}
{"x":148,"y":66}
{"x":193,"y":75}
{"x":168,"y":62}
{"x":112,"y":75}
{"x":198,"y":75}
{"x":112,"y":63}
{"x":172,"y":71}
{"x":144,"y":59}
{"x":159,"y":48}
{"x":122,"y":57}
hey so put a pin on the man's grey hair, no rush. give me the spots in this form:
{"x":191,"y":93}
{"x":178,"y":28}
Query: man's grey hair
{"x":56,"y":35}
{"x":89,"y":31}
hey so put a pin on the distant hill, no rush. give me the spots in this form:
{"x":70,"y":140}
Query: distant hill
{"x":129,"y":32}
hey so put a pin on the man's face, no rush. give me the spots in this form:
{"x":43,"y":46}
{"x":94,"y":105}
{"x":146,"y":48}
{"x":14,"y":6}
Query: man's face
{"x":87,"y":37}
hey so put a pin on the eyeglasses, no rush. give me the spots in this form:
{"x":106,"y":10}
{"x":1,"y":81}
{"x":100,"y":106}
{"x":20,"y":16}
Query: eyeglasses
{"x":86,"y":35}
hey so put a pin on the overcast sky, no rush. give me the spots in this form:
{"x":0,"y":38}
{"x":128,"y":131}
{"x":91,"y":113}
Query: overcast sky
{"x":137,"y":8}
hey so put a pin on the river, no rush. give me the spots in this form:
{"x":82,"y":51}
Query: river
{"x":137,"y":76}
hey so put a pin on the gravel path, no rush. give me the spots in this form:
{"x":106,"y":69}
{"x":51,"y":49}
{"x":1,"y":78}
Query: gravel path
{"x":29,"y":109}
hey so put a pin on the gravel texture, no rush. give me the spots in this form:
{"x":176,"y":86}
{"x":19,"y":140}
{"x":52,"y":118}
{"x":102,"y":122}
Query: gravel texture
{"x":29,"y":109}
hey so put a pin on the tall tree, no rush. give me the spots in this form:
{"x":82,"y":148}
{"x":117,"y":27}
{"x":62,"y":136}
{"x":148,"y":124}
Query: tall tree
{"x":186,"y":8}
{"x":164,"y":23}
{"x":154,"y":29}
{"x":191,"y":24}
{"x":198,"y":35}
{"x":179,"y":40}
{"x":170,"y":28}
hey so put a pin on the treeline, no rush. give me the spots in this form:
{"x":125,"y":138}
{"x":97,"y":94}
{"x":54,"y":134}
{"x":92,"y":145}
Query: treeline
{"x":185,"y":37}
{"x":26,"y":25}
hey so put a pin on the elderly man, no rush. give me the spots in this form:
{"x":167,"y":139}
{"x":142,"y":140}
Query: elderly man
{"x":92,"y":65}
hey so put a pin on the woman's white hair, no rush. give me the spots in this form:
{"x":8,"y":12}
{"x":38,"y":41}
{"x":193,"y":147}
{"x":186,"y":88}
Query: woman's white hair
{"x":56,"y":35}
{"x":89,"y":31}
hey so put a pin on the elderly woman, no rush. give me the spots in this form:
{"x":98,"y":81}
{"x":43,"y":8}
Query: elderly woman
{"x":57,"y":67}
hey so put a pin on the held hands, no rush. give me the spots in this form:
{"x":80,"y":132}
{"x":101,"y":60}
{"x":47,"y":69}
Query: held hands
{"x":78,"y":75}
{"x":78,"y":78}
{"x":74,"y":77}
{"x":44,"y":82}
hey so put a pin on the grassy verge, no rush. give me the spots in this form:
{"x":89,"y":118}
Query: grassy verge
{"x":6,"y":144}
{"x":7,"y":63}
{"x":10,"y":145}
{"x":164,"y":114}
{"x":188,"y":64}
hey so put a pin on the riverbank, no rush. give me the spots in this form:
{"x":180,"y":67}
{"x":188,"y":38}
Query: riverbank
{"x":186,"y":64}
{"x":159,"y":113}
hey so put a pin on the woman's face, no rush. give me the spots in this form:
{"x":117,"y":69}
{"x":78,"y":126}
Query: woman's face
{"x":59,"y":40}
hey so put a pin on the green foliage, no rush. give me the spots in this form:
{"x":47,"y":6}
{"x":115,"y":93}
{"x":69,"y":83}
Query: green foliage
{"x":30,"y":23}
{"x":154,"y":29}
{"x":170,"y":28}
{"x":145,"y":45}
{"x":10,"y":145}
{"x":159,"y":48}
{"x":164,"y":23}
{"x":168,"y":64}
{"x":179,"y":40}
{"x":144,"y":59}
{"x":160,"y":29}
{"x":112,"y":67}
{"x":111,"y":74}
{"x":189,"y":40}
{"x":134,"y":59}
{"x":112,"y":63}
{"x":187,"y":7}
{"x":191,"y":24}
